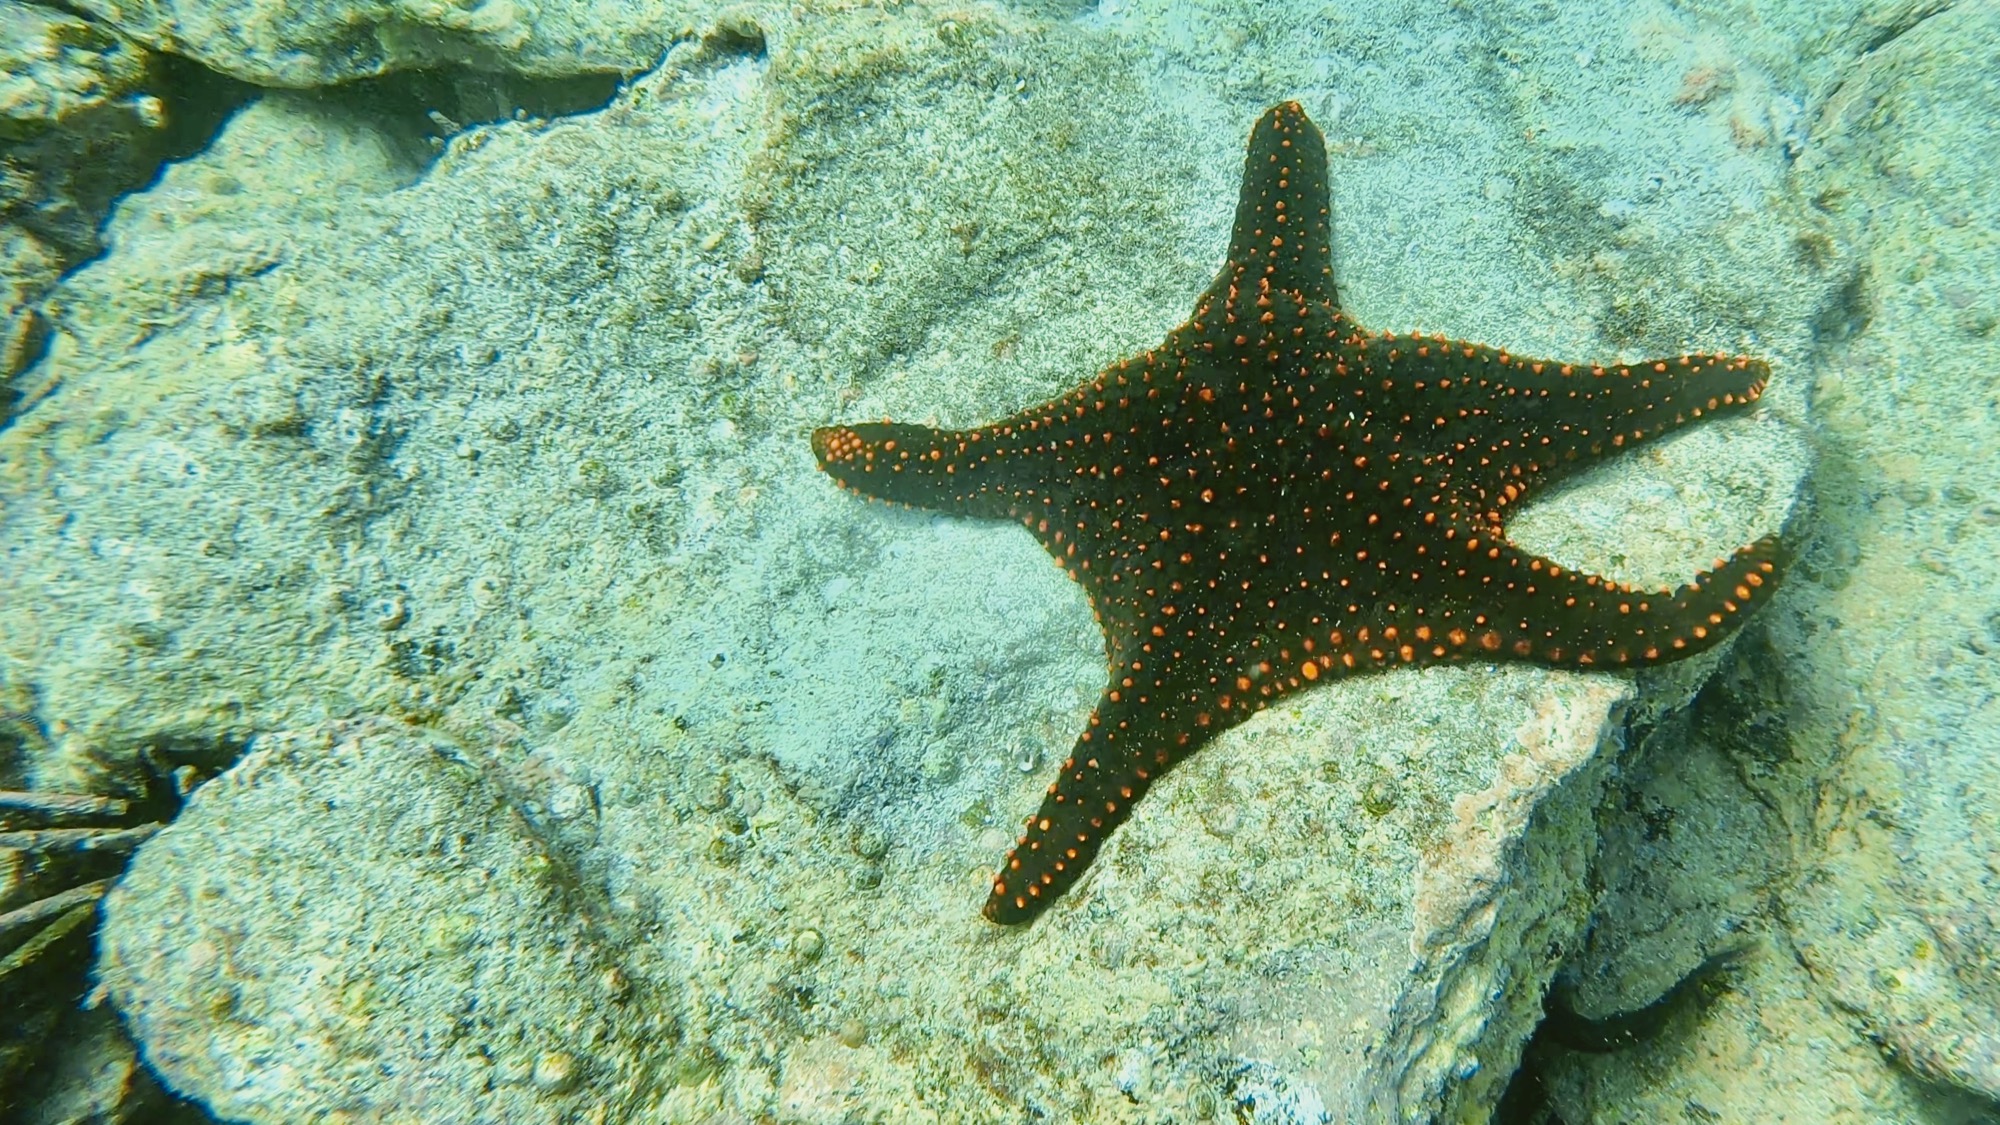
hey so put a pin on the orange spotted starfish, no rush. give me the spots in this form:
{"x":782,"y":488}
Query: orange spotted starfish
{"x":1275,"y":497}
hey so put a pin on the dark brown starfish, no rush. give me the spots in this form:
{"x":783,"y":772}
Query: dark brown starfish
{"x":1275,"y":497}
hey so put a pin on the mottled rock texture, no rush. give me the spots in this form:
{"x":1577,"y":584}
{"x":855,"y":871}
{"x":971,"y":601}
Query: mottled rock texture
{"x":515,"y":443}
{"x":302,"y":43}
{"x":1831,"y":808}
{"x":364,"y":918}
{"x":79,"y":124}
{"x":1894,"y":685}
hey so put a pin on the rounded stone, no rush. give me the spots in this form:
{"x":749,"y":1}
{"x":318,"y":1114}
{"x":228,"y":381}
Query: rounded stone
{"x":370,"y":885}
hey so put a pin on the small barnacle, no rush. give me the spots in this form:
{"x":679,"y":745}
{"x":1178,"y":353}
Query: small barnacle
{"x":807,"y":945}
{"x":725,"y":851}
{"x":868,"y":842}
{"x":1381,"y":796}
{"x":596,"y":479}
{"x":556,"y":1072}
{"x":853,"y":1033}
{"x":389,"y":612}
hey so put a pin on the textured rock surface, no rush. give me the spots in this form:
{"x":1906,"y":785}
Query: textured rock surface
{"x":320,"y":42}
{"x":1832,"y":807}
{"x":77,"y":127}
{"x":1767,"y":1048}
{"x":1696,"y":844}
{"x":1700,"y":848}
{"x":521,"y":442}
{"x":60,"y":68}
{"x":1897,"y":690}
{"x":363,"y":920}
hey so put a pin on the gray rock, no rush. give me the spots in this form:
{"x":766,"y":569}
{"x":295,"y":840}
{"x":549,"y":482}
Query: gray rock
{"x":61,"y":70}
{"x":1897,"y":653}
{"x":1828,"y":807}
{"x":520,"y":442}
{"x":332,"y":41}
{"x":79,"y":124}
{"x":90,"y":1074}
{"x":1700,"y":849}
{"x":1766,"y":1046}
{"x":1692,"y":850}
{"x":361,"y":919}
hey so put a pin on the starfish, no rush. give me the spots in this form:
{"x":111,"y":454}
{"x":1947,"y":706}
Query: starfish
{"x":1276,"y":497}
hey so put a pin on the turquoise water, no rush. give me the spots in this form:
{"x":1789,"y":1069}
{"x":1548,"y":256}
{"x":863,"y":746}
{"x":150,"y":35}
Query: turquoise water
{"x":439,"y":682}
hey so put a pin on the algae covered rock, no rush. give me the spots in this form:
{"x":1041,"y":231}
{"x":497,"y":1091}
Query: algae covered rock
{"x":1897,"y":628}
{"x":78,"y":125}
{"x":1831,"y":810}
{"x":320,"y":42}
{"x":56,"y":69}
{"x":361,"y":918}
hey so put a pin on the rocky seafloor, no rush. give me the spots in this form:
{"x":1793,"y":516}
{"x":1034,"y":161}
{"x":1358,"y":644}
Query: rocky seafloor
{"x":404,"y":491}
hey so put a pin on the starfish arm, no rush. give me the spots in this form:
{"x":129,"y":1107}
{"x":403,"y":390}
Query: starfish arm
{"x":1540,"y":421}
{"x":1564,"y":618}
{"x":1130,"y":742}
{"x":1283,"y":225}
{"x":920,"y":466}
